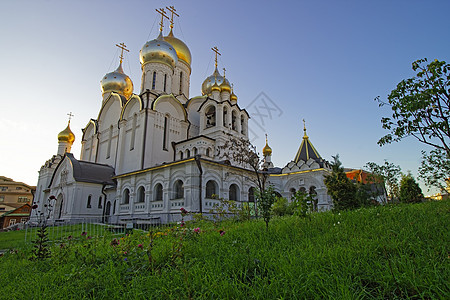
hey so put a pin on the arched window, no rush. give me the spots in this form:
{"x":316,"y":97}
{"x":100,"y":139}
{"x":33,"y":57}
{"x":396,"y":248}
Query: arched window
{"x":210,"y":116}
{"x":292,"y":192}
{"x":251,"y":194}
{"x":158,"y":192}
{"x":126,"y":196}
{"x":180,"y":154}
{"x":225,"y":117}
{"x":195,"y":151}
{"x":154,"y":81}
{"x":188,"y":153}
{"x":181,"y":83}
{"x":312,"y":191}
{"x":302,"y":189}
{"x":89,"y":201}
{"x":208,"y":152}
{"x":233,"y":120}
{"x":166,"y":132}
{"x":99,"y":202}
{"x":108,"y":149}
{"x":165,"y":81}
{"x":211,"y":189}
{"x":233,"y":193}
{"x":141,"y":194}
{"x":133,"y":132}
{"x":178,"y":190}
{"x":242,"y":125}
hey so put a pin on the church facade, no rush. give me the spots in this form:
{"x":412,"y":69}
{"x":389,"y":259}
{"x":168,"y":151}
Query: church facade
{"x":147,"y":155}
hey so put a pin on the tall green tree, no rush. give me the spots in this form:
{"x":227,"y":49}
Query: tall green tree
{"x":340,"y":188}
{"x":265,"y":200}
{"x":420,"y":107}
{"x":435,"y":168}
{"x":386,"y":175}
{"x":410,"y":191}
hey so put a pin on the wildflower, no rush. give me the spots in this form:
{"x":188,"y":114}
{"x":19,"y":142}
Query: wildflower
{"x":115,"y":242}
{"x":83,"y":233}
{"x":125,"y":253}
{"x":222,"y":232}
{"x":89,"y":237}
{"x":183,"y":211}
{"x":197,"y":230}
{"x":140,"y":246}
{"x":182,"y":223}
{"x":125,"y":259}
{"x":62,"y":245}
{"x":69,"y":237}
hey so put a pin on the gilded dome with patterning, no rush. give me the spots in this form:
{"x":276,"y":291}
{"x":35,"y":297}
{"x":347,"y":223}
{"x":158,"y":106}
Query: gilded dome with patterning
{"x":66,"y":135}
{"x":182,"y":50}
{"x":267,"y":150}
{"x":117,"y":82}
{"x":209,"y":82}
{"x":158,"y":51}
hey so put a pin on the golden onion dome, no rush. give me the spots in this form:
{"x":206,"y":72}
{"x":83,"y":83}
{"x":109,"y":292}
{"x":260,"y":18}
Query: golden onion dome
{"x":66,"y":135}
{"x":209,"y":82}
{"x":233,"y":97}
{"x":225,"y":86}
{"x":215,"y":88}
{"x":182,"y":50}
{"x":267,"y":150}
{"x":158,"y":51}
{"x":118,"y":82}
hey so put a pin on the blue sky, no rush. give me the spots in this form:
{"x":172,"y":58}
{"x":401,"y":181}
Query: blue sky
{"x":322,"y":61}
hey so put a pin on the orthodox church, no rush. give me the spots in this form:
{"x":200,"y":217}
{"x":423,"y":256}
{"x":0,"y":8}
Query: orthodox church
{"x":147,"y":155}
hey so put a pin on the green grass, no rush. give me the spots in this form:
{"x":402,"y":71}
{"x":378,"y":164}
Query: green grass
{"x":377,"y":253}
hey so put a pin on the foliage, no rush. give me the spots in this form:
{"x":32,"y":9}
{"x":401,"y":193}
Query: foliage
{"x":281,"y":207}
{"x":420,"y":107}
{"x":265,"y":200}
{"x":340,"y":188}
{"x":302,"y":204}
{"x":364,"y":195}
{"x":230,"y":209}
{"x":242,"y":152}
{"x":435,"y":168}
{"x":41,"y":244}
{"x":410,"y":191}
{"x":389,"y":260}
{"x":388,"y":175}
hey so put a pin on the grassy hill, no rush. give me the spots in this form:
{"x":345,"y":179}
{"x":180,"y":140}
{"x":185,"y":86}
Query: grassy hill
{"x":382,"y":252}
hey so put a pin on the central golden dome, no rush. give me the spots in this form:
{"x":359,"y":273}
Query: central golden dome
{"x":209,"y":82}
{"x":117,"y":82}
{"x":182,"y":50}
{"x":66,"y":135}
{"x":158,"y":51}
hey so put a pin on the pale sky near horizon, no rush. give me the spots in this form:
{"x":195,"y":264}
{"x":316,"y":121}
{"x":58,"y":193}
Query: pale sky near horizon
{"x":322,"y":61}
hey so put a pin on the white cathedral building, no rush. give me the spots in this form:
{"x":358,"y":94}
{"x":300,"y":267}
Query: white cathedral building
{"x":147,"y":155}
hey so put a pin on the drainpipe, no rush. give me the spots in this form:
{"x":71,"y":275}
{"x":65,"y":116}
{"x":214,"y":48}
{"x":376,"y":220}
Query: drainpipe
{"x":199,"y":165}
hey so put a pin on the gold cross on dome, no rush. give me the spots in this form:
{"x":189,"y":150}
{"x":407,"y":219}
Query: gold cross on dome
{"x":173,"y":11}
{"x":163,"y":15}
{"x":70,"y":116}
{"x":216,"y":50}
{"x":123,"y":47}
{"x":304,"y":127}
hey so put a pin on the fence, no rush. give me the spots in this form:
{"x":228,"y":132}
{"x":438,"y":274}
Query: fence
{"x":95,"y":227}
